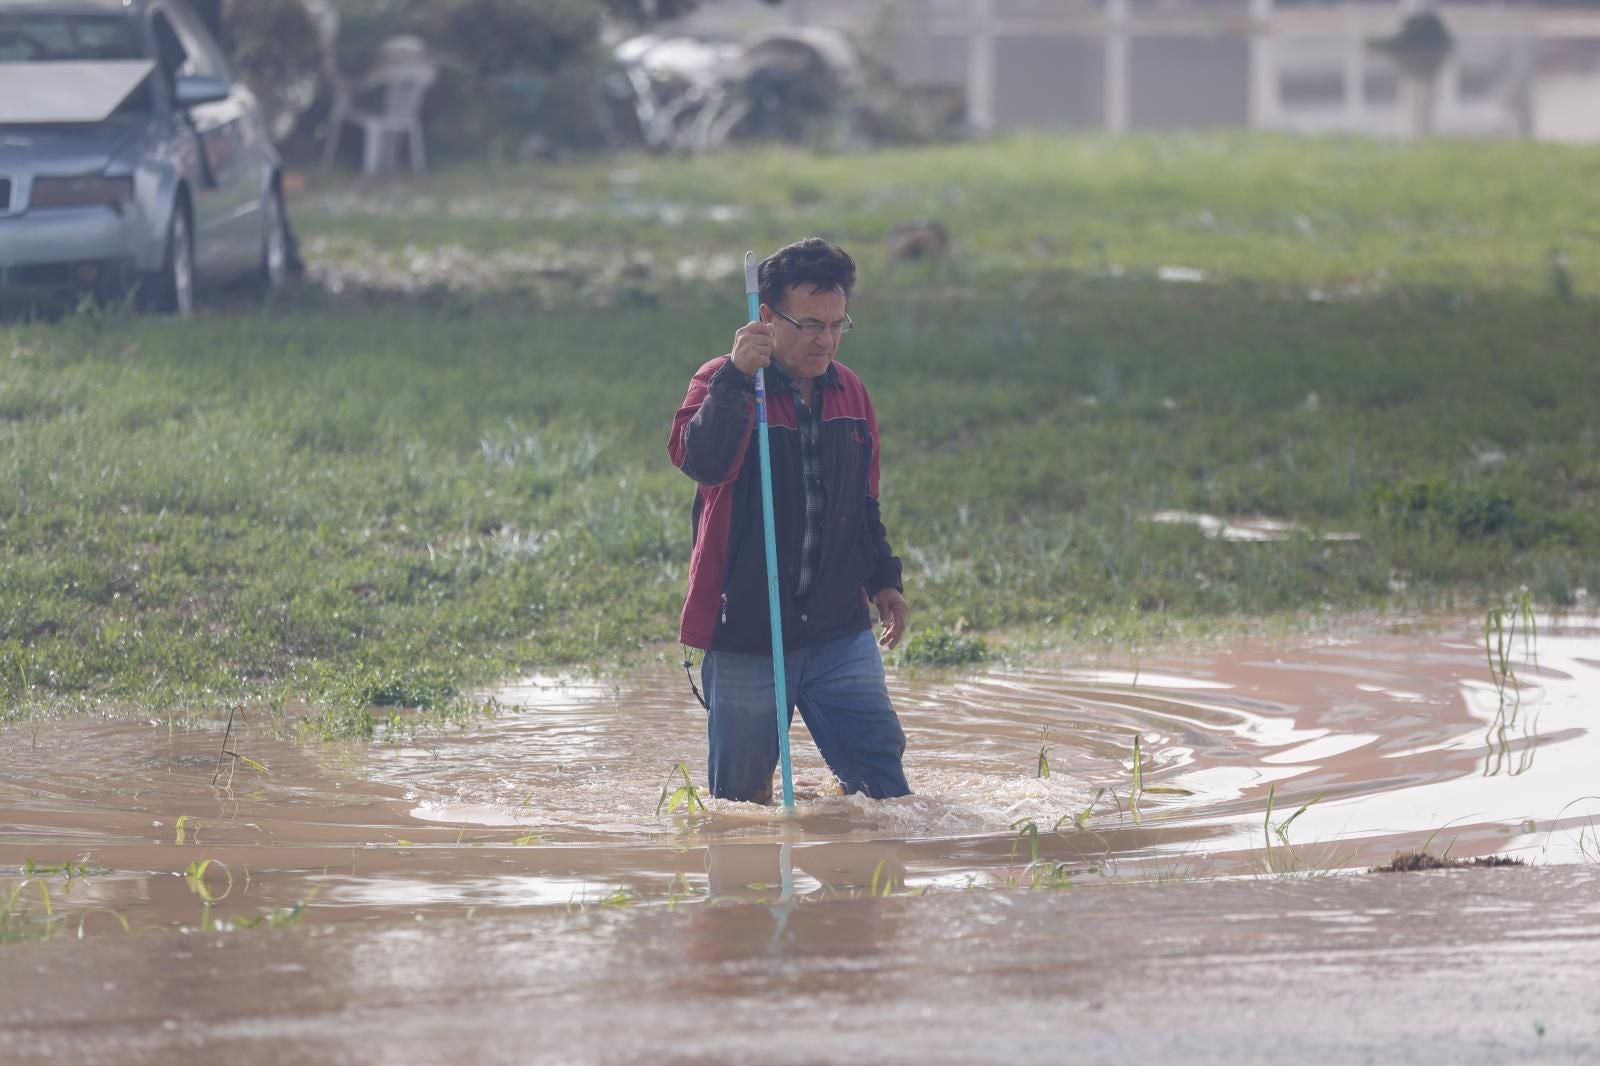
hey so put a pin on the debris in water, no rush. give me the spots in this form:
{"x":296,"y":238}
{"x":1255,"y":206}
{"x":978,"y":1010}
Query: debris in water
{"x":1407,"y":861}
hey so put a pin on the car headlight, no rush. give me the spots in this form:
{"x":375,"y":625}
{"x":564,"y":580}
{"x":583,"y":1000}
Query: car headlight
{"x":88,"y":190}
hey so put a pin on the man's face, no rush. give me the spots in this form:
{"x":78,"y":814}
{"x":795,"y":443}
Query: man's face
{"x":804,"y":355}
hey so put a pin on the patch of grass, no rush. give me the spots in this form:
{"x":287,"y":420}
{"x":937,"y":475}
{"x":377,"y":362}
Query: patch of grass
{"x":1467,"y":512}
{"x":1340,"y":215}
{"x":372,"y":509}
{"x":341,"y":721}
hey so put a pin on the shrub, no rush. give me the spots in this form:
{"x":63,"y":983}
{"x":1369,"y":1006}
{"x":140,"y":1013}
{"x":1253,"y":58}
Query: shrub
{"x":1471,"y":513}
{"x":942,"y":648}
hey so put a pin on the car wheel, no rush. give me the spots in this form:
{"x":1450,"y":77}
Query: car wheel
{"x":171,"y":289}
{"x":274,"y":270}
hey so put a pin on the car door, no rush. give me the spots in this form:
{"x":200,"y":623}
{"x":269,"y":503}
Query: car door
{"x":226,"y":188}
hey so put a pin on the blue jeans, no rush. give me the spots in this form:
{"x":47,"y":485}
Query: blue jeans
{"x":840,"y":690}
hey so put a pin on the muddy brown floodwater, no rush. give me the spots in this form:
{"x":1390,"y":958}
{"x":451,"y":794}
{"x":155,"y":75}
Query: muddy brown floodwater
{"x":511,"y":893}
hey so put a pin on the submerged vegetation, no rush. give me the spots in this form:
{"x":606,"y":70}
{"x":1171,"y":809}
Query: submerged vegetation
{"x":365,"y":508}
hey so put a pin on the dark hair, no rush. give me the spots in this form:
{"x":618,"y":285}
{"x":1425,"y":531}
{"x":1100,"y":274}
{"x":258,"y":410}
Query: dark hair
{"x":813,"y":262}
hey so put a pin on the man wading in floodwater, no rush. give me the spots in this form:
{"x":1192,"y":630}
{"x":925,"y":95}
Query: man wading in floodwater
{"x":833,"y":552}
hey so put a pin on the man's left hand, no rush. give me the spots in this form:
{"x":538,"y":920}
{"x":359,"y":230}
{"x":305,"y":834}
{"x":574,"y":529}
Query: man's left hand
{"x":892,"y":611}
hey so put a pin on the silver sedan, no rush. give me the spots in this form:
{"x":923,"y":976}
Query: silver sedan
{"x":132,"y":161}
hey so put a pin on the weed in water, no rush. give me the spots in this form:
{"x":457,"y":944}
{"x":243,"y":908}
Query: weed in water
{"x":1588,"y":835}
{"x":277,"y":918}
{"x":223,"y":751}
{"x":1080,"y":820}
{"x":194,"y":875}
{"x":1500,"y":630}
{"x":685,"y":795}
{"x":1027,"y":829}
{"x":1281,"y":829}
{"x":1050,"y":875}
{"x":69,"y":869}
{"x":885,"y":881}
{"x":1427,"y":845}
{"x":28,"y":909}
{"x":19,"y":924}
{"x":1499,"y":636}
{"x":1138,"y":780}
{"x":618,"y":900}
{"x":1270,"y":829}
{"x":679,"y":890}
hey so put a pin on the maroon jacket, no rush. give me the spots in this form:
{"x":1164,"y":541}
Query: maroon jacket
{"x":713,"y":440}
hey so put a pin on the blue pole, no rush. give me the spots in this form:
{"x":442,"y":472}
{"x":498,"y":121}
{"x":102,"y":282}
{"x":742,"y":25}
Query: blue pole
{"x":752,"y":294}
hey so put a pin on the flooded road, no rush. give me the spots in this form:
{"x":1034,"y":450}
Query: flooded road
{"x":531,"y":856}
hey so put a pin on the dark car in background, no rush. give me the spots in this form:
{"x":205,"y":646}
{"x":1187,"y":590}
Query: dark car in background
{"x":132,"y":161}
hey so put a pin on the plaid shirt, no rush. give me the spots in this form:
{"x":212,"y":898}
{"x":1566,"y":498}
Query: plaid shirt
{"x":809,"y":420}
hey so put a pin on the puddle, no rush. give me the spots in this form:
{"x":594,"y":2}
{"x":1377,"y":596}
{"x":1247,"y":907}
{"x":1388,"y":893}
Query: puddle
{"x":1246,"y":528}
{"x":1362,"y":747}
{"x":511,"y":887}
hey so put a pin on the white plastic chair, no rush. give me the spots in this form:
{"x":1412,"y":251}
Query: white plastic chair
{"x":386,"y":104}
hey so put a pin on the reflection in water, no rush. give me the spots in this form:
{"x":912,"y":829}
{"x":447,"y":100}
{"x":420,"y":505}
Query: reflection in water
{"x":1513,"y":734}
{"x":1312,"y":754}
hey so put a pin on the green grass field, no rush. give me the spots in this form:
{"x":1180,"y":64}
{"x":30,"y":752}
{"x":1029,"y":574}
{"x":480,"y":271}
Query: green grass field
{"x":382,"y":501}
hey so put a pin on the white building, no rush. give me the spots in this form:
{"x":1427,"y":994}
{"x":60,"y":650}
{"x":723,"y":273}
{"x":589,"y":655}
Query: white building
{"x":1516,"y":69}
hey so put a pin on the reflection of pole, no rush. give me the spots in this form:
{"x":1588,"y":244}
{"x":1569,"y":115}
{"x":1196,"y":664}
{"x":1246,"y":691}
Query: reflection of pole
{"x":980,"y":65}
{"x":785,"y":904}
{"x":1117,"y":66}
{"x":1263,"y":67}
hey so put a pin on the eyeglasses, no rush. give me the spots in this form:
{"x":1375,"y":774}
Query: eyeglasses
{"x":813,"y":328}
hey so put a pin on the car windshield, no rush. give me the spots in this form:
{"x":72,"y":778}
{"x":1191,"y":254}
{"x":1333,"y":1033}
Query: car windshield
{"x":75,"y":37}
{"x":47,"y":37}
